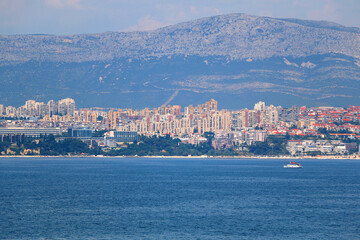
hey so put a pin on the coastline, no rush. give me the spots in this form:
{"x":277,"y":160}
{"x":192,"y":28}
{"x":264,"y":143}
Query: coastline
{"x":191,"y":157}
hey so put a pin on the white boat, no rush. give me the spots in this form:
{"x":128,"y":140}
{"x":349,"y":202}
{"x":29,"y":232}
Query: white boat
{"x":292,"y":165}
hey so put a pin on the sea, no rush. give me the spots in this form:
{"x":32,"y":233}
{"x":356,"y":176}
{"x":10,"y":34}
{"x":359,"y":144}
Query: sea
{"x":172,"y":198}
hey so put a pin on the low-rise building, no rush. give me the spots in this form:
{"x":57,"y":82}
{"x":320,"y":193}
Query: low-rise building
{"x":31,"y":132}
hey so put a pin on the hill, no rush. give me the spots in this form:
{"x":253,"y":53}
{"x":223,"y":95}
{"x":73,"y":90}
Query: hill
{"x":236,"y":58}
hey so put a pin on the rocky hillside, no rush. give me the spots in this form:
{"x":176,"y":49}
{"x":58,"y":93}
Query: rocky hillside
{"x":237,"y":58}
{"x":237,"y":36}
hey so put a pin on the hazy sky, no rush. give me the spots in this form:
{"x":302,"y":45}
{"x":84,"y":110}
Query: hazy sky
{"x":92,"y":16}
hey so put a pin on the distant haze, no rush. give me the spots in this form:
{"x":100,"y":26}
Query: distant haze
{"x":93,"y":16}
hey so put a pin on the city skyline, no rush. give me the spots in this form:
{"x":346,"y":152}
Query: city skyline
{"x":303,"y":130}
{"x":168,"y":119}
{"x":39,"y":102}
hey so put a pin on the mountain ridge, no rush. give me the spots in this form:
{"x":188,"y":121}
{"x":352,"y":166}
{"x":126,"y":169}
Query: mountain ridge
{"x":237,"y":36}
{"x":236,"y":58}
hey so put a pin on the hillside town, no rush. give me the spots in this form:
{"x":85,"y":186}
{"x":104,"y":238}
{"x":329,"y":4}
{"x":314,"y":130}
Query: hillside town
{"x":302,"y":131}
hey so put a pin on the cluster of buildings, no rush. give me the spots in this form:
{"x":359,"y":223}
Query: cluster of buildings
{"x":330,"y":118}
{"x":194,"y":119}
{"x":170,"y":120}
{"x":326,"y":147}
{"x":34,"y":109}
{"x":230,"y":127}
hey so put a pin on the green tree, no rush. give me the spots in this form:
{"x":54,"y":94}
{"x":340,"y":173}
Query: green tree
{"x":99,"y":133}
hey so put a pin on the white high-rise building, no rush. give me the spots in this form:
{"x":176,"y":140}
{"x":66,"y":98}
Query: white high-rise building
{"x":10,"y":111}
{"x":29,"y":108}
{"x":260,"y":106}
{"x":51,"y":108}
{"x":66,"y":107}
{"x":40,"y":109}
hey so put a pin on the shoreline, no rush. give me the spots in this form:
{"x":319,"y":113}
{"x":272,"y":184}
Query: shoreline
{"x":191,"y":157}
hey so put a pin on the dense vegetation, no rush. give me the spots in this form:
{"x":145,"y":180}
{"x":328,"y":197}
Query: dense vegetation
{"x":99,"y":133}
{"x":274,"y":145}
{"x":4,"y":146}
{"x":166,"y":146}
{"x":153,"y":146}
{"x":49,"y":146}
{"x":147,"y":146}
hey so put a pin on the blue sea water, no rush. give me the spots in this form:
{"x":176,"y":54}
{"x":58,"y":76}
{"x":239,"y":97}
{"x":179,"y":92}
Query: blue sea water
{"x":139,"y":198}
